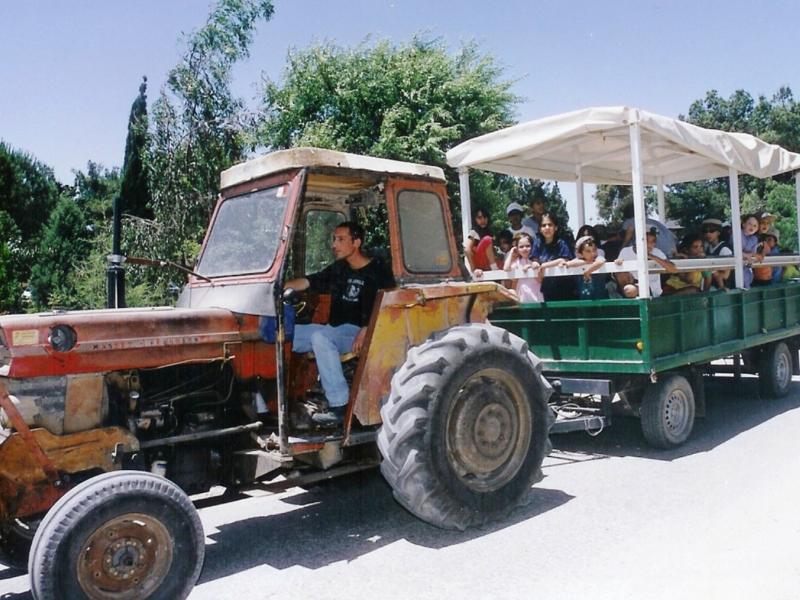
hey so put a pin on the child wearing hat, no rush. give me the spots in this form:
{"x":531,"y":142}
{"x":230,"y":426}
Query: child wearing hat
{"x":515,"y":212}
{"x":591,"y":285}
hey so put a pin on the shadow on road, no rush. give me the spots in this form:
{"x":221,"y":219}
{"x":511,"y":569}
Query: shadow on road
{"x":731,"y":408}
{"x":341,"y":521}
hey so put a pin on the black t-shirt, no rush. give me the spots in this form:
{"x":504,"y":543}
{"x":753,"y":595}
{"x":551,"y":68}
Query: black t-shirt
{"x":352,"y":291}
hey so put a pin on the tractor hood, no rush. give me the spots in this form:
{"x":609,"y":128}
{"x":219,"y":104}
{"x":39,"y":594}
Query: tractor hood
{"x":107,"y":340}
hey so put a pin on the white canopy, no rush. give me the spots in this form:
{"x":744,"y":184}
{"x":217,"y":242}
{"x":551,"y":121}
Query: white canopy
{"x":597,"y":142}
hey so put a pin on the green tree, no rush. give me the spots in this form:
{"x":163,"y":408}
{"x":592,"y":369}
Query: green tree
{"x":28,"y":190}
{"x":28,"y":193}
{"x":407,"y":102}
{"x":776,"y":120}
{"x":65,"y":243}
{"x":197,"y":129}
{"x":134,"y":191}
{"x":11,"y":287}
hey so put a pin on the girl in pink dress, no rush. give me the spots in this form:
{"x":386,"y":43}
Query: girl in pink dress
{"x":529,"y":289}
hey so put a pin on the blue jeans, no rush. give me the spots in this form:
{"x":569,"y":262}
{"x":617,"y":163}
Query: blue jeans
{"x":327,"y":343}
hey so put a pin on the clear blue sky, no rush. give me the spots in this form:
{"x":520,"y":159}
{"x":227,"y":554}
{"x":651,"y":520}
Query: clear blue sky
{"x":69,"y":70}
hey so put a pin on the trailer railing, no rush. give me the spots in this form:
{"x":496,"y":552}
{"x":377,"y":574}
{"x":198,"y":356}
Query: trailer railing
{"x":629,"y":266}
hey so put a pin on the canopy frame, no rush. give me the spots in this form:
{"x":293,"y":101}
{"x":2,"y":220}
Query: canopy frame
{"x":668,"y":144}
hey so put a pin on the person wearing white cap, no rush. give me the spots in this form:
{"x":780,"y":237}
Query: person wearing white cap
{"x":765,"y":222}
{"x":515,"y":212}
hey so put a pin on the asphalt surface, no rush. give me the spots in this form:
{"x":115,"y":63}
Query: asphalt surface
{"x":716,"y":518}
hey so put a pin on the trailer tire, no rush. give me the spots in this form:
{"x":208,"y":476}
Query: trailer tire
{"x":465,"y":427}
{"x":775,"y":370}
{"x":15,"y":543}
{"x":124,"y":535}
{"x":667,"y":412}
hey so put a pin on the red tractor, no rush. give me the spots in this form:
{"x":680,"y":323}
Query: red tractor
{"x":111,"y":418}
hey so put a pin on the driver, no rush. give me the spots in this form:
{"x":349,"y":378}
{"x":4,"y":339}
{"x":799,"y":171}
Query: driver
{"x":352,"y":281}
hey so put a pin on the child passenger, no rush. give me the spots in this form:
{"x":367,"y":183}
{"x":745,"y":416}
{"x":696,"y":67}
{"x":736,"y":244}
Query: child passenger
{"x":768,"y":247}
{"x":688,"y":282}
{"x":529,"y":289}
{"x":591,"y":285}
{"x":750,"y":225}
{"x":479,"y":245}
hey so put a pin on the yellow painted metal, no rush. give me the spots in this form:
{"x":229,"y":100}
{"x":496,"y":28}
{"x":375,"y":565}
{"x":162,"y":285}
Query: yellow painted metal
{"x":406,"y":318}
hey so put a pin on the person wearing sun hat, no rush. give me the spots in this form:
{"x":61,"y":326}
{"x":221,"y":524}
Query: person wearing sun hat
{"x":515,"y":212}
{"x":765,"y":221}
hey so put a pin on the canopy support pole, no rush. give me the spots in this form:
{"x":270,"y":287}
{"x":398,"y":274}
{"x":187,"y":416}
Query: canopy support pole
{"x":736,"y":227}
{"x":639,"y":213}
{"x":466,"y":203}
{"x":797,"y":204}
{"x":662,"y":205}
{"x":579,"y":196}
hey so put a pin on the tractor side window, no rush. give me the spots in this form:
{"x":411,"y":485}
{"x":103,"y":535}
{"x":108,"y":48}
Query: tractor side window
{"x":319,"y":228}
{"x":423,"y":232}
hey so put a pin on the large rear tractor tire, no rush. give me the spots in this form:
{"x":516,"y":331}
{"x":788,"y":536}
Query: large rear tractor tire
{"x":667,"y":412}
{"x":775,"y":370}
{"x":124,"y":535}
{"x":465,"y":427}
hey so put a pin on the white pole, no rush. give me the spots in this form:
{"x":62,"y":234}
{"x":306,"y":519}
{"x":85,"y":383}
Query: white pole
{"x":466,"y":204}
{"x":579,"y":195}
{"x":639,"y":214}
{"x":662,"y":205}
{"x":736,"y":227}
{"x":797,"y":205}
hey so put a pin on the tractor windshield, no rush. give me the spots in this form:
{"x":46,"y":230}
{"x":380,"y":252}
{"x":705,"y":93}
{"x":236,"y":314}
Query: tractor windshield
{"x":245,"y":234}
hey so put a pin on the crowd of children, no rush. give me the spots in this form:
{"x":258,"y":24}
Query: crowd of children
{"x":532,"y":246}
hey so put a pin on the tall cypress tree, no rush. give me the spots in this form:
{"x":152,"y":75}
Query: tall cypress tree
{"x":134,"y":192}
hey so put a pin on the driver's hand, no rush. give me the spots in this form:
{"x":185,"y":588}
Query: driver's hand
{"x":358,"y":343}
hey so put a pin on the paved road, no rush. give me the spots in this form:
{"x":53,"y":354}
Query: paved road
{"x":612,"y":519}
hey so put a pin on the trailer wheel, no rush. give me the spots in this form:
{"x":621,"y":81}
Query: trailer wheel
{"x":465,"y":427}
{"x":15,"y":542}
{"x":123,"y":535}
{"x":667,"y":412}
{"x":775,"y":370}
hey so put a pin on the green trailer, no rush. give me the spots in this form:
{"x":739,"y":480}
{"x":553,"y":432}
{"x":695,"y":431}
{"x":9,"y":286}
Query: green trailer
{"x":646,"y":356}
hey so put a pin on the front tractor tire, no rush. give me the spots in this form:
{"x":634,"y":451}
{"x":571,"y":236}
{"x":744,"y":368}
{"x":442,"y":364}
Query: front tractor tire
{"x":465,"y":427}
{"x":123,"y":535}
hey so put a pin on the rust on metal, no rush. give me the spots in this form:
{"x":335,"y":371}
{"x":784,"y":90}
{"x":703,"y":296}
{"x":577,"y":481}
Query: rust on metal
{"x":24,"y":433}
{"x":84,"y":402}
{"x":25,"y":487}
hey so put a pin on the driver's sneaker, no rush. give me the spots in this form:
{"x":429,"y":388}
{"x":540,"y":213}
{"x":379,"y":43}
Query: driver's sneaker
{"x":331,"y":417}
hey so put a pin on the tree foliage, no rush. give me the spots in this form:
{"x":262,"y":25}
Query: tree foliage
{"x":65,"y":243}
{"x":134,"y":190}
{"x":775,"y":120}
{"x":28,"y":193}
{"x":198,"y":128}
{"x":407,"y":102}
